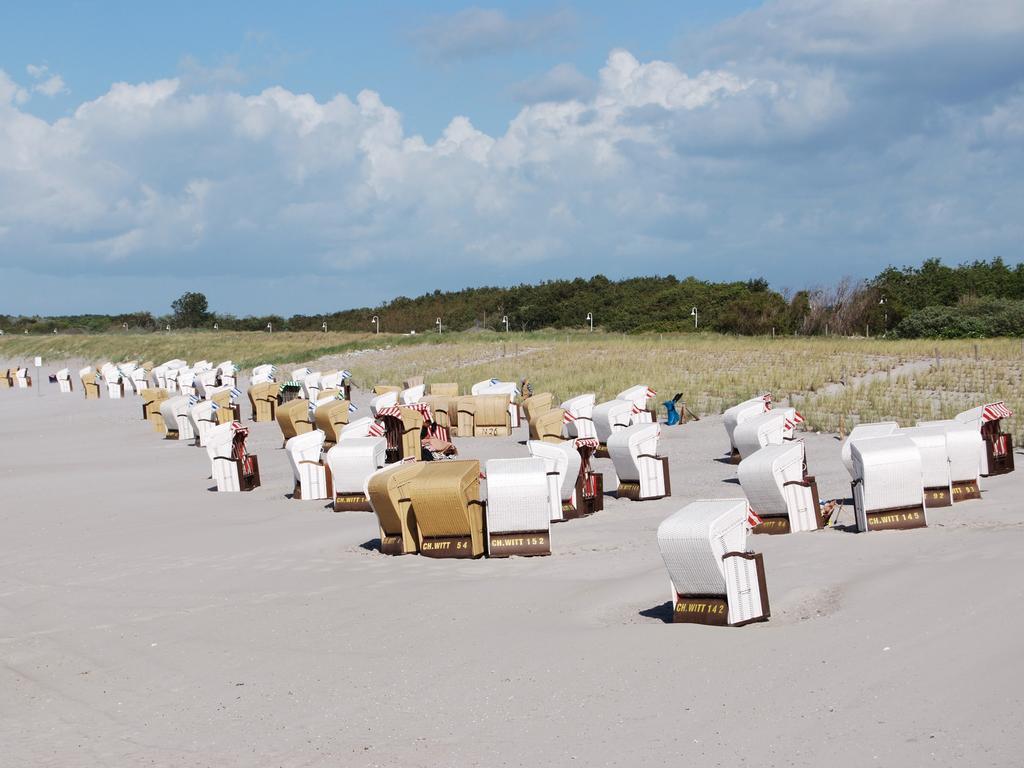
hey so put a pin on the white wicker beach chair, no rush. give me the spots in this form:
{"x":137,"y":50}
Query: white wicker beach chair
{"x":610,"y":417}
{"x":579,"y":416}
{"x":935,"y":475}
{"x":642,"y":473}
{"x":638,"y":398}
{"x":862,"y":431}
{"x":64,"y":380}
{"x":364,"y":427}
{"x":380,"y":402}
{"x":351,"y":462}
{"x":888,"y":484}
{"x":138,"y":380}
{"x":202,"y":418}
{"x":112,"y":380}
{"x":262,"y":374}
{"x":733,"y":417}
{"x":964,"y":448}
{"x":163,"y":373}
{"x":227,"y":374}
{"x":518,"y":507}
{"x":175,"y":413}
{"x":304,"y":454}
{"x":311,"y":386}
{"x":412,"y":394}
{"x":768,"y":428}
{"x":562,"y":462}
{"x":779,"y":490}
{"x":231,"y":467}
{"x":714,"y":579}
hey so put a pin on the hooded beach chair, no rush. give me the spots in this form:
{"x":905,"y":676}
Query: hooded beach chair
{"x":403,"y":429}
{"x":263,"y":374}
{"x":935,"y":475}
{"x":862,"y":431}
{"x":22,"y":379}
{"x":714,"y":579}
{"x":362,"y":427}
{"x":331,"y":417}
{"x":64,"y":380}
{"x":444,"y":389}
{"x":312,"y":477}
{"x":736,"y":415}
{"x":484,"y":416}
{"x":888,"y":484}
{"x":611,"y":417}
{"x":227,"y":374}
{"x":997,"y":448}
{"x":288,"y":391}
{"x":90,"y":383}
{"x":293,"y":418}
{"x":112,"y":380}
{"x":175,"y":414}
{"x":495,"y":387}
{"x":518,"y":507}
{"x":203,"y":381}
{"x":152,"y":398}
{"x":233,"y":468}
{"x":964,"y":447}
{"x":203,"y":418}
{"x":389,"y":491}
{"x":412,"y":394}
{"x":386,"y":389}
{"x":225,"y":400}
{"x":449,"y":512}
{"x":547,"y":426}
{"x":351,"y":463}
{"x":263,"y":399}
{"x":643,"y":474}
{"x":535,"y":405}
{"x":138,"y":380}
{"x":162,"y":373}
{"x":311,"y":385}
{"x":638,"y":398}
{"x":779,"y":490}
{"x":563,"y":463}
{"x":768,"y":428}
{"x":579,"y":416}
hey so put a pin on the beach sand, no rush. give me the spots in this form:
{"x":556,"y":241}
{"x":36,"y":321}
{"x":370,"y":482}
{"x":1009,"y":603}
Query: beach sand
{"x":146,"y":620}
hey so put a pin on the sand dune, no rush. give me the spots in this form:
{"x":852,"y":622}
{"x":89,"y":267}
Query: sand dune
{"x":147,"y":620}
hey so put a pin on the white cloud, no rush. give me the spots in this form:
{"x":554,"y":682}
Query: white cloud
{"x":476,"y":32}
{"x":560,"y":83}
{"x":46,"y":83}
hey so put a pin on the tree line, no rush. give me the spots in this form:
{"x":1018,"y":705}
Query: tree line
{"x":980,"y":298}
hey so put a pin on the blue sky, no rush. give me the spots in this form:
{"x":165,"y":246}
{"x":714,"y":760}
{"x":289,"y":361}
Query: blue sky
{"x":316,"y":156}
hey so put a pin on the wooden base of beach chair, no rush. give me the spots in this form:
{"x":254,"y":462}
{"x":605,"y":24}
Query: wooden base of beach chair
{"x":896,"y":519}
{"x":171,"y":434}
{"x":520,"y":544}
{"x":492,"y":431}
{"x":395,"y":545}
{"x":713,"y":610}
{"x":588,"y":505}
{"x":735,"y":457}
{"x":601,"y":452}
{"x":781,"y":524}
{"x":937,"y":497}
{"x":353,"y":502}
{"x":772,"y":525}
{"x":966,"y":490}
{"x":631,"y":489}
{"x":328,"y":481}
{"x":449,"y":546}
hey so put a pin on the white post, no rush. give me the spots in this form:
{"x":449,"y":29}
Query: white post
{"x":324,"y":326}
{"x":590,"y":319}
{"x":376,"y":324}
{"x":438,"y":323}
{"x":270,"y":328}
{"x":693,"y":312}
{"x":504,"y":319}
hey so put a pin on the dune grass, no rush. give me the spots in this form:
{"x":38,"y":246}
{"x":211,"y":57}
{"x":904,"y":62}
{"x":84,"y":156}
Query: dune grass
{"x":879,"y":378}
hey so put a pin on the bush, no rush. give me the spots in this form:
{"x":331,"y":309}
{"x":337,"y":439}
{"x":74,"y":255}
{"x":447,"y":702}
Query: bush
{"x":976,"y":318}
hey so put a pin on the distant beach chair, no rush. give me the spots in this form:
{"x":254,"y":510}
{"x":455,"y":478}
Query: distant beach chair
{"x":64,"y":380}
{"x":412,"y":394}
{"x":175,"y":414}
{"x":496,"y":387}
{"x":935,"y":474}
{"x":90,"y":383}
{"x":769,"y":428}
{"x":449,"y":512}
{"x":227,"y":374}
{"x":389,"y":491}
{"x":518,"y":507}
{"x":312,"y":478}
{"x":203,"y":418}
{"x":965,"y":448}
{"x":714,"y":579}
{"x":579,"y":416}
{"x":888,"y":484}
{"x":263,"y":399}
{"x":547,"y":426}
{"x":643,"y":474}
{"x":997,"y":449}
{"x":779,"y":489}
{"x":293,"y":419}
{"x":484,"y":416}
{"x":610,"y":417}
{"x":263,"y":374}
{"x":351,"y":462}
{"x":331,"y":417}
{"x":739,"y":413}
{"x":638,"y":397}
{"x":861,"y":432}
{"x":233,"y":468}
{"x":152,"y":398}
{"x":535,"y":405}
{"x":562,"y":462}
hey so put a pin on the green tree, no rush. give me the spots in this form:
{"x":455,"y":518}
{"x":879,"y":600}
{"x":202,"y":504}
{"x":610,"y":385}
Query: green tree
{"x":190,"y":310}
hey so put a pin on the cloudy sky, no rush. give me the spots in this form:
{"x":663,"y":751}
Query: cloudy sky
{"x":285,"y":159}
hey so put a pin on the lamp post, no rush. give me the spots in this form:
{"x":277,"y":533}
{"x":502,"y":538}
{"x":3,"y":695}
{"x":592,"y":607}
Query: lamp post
{"x":324,"y":326}
{"x":693,"y":313}
{"x":438,"y":324}
{"x":590,"y":319}
{"x":885,"y":315}
{"x":376,"y":323}
{"x":216,"y":326}
{"x":125,"y":326}
{"x":504,"y":319}
{"x":270,"y":328}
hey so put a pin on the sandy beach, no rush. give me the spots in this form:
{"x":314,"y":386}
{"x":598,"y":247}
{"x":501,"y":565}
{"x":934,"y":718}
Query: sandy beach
{"x":146,"y":620}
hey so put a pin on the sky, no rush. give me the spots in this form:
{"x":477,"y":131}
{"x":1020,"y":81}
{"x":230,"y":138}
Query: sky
{"x":306,"y":158}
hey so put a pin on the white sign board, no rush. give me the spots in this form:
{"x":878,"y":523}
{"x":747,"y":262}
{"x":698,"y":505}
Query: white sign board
{"x":39,"y":362}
